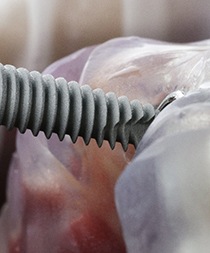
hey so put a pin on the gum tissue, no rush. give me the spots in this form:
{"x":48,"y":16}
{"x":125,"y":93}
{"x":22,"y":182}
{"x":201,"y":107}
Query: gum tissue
{"x":60,"y":196}
{"x":163,"y":195}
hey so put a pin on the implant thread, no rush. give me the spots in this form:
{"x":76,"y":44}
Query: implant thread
{"x":29,"y":100}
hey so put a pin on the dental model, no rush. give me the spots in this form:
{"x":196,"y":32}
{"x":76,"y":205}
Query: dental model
{"x":60,"y":195}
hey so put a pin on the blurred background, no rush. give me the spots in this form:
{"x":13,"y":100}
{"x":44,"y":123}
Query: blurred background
{"x":34,"y":33}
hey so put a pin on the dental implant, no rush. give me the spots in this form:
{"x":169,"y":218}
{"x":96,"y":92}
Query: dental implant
{"x":30,"y":100}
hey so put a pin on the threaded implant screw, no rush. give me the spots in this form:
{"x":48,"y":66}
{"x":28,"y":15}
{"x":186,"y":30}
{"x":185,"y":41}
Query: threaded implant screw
{"x":30,"y":100}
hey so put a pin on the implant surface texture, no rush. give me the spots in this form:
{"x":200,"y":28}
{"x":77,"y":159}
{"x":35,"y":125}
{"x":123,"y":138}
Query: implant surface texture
{"x":29,"y":100}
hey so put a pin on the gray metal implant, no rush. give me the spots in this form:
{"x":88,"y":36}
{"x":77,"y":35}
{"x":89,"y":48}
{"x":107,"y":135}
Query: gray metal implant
{"x":30,"y":100}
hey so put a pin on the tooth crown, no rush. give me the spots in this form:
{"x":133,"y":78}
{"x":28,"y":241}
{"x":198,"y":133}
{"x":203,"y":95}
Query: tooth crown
{"x":30,"y":100}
